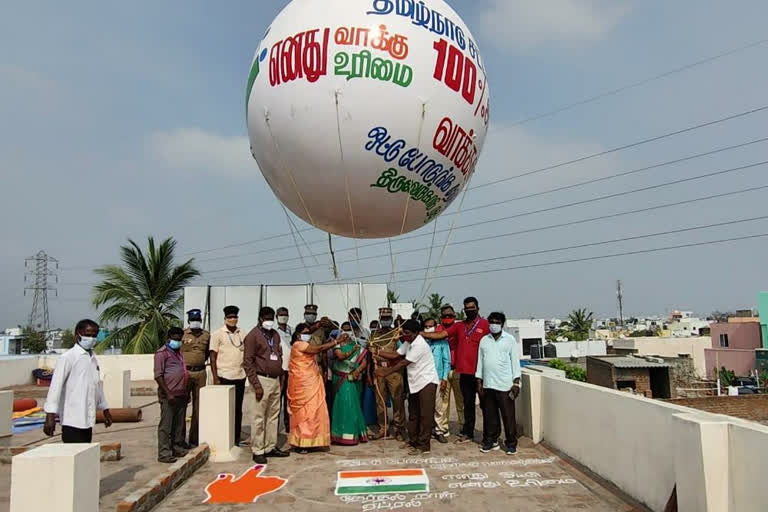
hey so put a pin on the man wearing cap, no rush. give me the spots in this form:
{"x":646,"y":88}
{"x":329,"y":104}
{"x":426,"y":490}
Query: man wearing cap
{"x":194,"y":348}
{"x":385,"y":340}
{"x":227,"y":361}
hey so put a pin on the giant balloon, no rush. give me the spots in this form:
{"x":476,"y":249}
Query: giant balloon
{"x":367,"y":117}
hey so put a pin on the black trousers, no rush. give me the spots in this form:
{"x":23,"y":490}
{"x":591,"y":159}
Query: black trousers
{"x":239,"y":395}
{"x":421,"y":416}
{"x":76,"y":435}
{"x":497,"y":403}
{"x":171,"y":429}
{"x":468,"y":386}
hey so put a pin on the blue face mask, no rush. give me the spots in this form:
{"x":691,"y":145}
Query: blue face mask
{"x":175,"y":345}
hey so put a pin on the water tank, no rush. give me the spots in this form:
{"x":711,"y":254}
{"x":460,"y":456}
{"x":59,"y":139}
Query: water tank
{"x":535,"y":351}
{"x":550,"y":351}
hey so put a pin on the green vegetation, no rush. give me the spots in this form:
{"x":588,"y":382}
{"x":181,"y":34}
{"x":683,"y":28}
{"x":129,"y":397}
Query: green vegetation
{"x":572,"y":372}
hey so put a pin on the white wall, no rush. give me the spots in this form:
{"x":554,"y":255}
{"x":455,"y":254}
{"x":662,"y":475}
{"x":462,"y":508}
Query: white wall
{"x":17,"y":370}
{"x":670,"y":347}
{"x":566,"y":349}
{"x":528,"y":328}
{"x":142,"y":366}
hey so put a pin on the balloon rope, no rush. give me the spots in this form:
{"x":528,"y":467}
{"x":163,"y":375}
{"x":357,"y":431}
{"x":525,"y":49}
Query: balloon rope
{"x":333,"y":258}
{"x":296,"y":243}
{"x":290,"y":173}
{"x":341,"y":157}
{"x":375,"y":344}
{"x":418,"y":146}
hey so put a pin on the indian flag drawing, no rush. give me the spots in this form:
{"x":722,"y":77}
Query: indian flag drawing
{"x":381,"y":481}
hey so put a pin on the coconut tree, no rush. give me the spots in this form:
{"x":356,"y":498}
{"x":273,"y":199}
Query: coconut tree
{"x":580,"y":321}
{"x":143,"y":296}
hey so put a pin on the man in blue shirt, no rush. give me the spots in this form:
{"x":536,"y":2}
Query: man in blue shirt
{"x":441,"y":352}
{"x":498,"y":383}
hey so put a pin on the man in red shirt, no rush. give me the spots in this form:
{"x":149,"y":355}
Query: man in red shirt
{"x":467,"y":336}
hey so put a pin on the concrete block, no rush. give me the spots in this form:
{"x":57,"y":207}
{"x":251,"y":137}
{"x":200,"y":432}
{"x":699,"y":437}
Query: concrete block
{"x":60,"y":477}
{"x":528,"y":406}
{"x":217,"y":422}
{"x":6,"y":413}
{"x":117,"y":389}
{"x":701,"y":463}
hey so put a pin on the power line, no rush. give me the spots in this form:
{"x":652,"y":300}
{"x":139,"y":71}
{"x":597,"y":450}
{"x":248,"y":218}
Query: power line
{"x":622,"y":148}
{"x":639,"y":83}
{"x":525,"y":231}
{"x":585,"y":245}
{"x":541,"y":210}
{"x":593,"y":258}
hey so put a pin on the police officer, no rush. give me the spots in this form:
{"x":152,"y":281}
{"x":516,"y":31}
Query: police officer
{"x":194,"y":348}
{"x":384,"y":339}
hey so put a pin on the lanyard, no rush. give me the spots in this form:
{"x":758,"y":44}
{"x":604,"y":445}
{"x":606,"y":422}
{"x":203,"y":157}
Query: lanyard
{"x":270,"y":341}
{"x":232,"y":341}
{"x":467,"y":334}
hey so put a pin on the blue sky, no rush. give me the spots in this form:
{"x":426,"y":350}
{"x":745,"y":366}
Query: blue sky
{"x":126,"y":120}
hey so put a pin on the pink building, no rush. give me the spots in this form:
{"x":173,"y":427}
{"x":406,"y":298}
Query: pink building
{"x":733,"y":346}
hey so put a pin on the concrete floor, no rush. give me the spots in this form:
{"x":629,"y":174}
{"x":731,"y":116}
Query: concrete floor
{"x":460,"y":477}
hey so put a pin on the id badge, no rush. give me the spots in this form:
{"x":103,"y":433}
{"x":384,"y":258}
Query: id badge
{"x":273,"y":356}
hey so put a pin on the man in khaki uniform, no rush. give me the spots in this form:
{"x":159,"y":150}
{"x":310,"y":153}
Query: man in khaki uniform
{"x":384,"y":340}
{"x":194,"y":348}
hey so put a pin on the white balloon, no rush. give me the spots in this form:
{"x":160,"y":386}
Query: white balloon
{"x":367,"y":117}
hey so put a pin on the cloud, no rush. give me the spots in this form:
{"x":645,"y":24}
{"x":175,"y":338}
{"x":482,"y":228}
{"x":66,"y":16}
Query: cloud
{"x":201,"y":151}
{"x":526,"y":23}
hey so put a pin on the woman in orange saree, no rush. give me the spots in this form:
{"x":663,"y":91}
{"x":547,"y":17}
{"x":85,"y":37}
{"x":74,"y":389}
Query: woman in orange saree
{"x":310,"y":425}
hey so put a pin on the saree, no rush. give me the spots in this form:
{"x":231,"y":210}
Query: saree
{"x":348,"y":426}
{"x":310,"y":426}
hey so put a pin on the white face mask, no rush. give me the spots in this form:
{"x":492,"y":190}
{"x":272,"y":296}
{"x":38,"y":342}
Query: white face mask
{"x":282,"y":320}
{"x":268,"y":324}
{"x":495,"y":328}
{"x":196,"y":325}
{"x":386,"y":324}
{"x":87,"y":342}
{"x":310,"y":317}
{"x":429,"y":329}
{"x":306,"y":337}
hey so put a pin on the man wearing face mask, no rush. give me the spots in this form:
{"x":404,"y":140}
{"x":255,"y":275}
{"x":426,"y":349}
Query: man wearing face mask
{"x":227,"y":346}
{"x":498,"y":383}
{"x":263,"y":364}
{"x":385,"y":341}
{"x":172,"y":389}
{"x":359,"y":331}
{"x":442,"y":408}
{"x":75,"y":391}
{"x":194,"y":347}
{"x":285,"y":332}
{"x":468,"y":335}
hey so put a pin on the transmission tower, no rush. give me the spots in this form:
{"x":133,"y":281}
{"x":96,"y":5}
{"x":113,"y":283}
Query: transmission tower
{"x":620,"y":300}
{"x":41,"y":269}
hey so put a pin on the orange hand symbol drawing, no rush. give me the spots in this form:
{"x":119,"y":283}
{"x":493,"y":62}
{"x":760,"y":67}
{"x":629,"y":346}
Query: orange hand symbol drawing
{"x":245,"y":489}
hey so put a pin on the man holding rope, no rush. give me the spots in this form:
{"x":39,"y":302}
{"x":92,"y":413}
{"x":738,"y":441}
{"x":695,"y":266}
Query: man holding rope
{"x":385,"y":340}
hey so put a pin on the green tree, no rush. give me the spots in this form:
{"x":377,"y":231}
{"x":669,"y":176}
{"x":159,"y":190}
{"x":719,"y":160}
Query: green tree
{"x":392,"y":297}
{"x":34,"y":341}
{"x":146,"y":292}
{"x":726,"y":376}
{"x":67,"y":338}
{"x":572,"y":372}
{"x":580,"y":321}
{"x":435,"y":301}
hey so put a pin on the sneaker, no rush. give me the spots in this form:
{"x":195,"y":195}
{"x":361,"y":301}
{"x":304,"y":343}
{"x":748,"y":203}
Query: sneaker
{"x":166,"y":460}
{"x":441,"y":438}
{"x":489,"y":447}
{"x":259,"y":459}
{"x":461,"y":438}
{"x":278,"y":453}
{"x":510,"y":450}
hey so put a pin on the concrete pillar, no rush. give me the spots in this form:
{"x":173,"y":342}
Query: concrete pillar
{"x":60,"y":477}
{"x":6,"y":412}
{"x":528,"y":406}
{"x":217,"y":422}
{"x":701,"y":463}
{"x":117,"y":389}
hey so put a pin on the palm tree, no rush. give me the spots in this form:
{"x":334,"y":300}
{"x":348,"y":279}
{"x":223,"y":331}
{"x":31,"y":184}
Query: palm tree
{"x":435,"y":302}
{"x":392,"y":297}
{"x":580,"y":321}
{"x":147,"y":291}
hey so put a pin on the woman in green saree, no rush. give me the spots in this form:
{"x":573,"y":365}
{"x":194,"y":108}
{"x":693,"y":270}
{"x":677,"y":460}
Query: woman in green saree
{"x":348,"y":425}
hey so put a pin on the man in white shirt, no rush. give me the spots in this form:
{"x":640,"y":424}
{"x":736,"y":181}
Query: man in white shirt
{"x":75,"y":391}
{"x":416,"y":357}
{"x":285,"y":332}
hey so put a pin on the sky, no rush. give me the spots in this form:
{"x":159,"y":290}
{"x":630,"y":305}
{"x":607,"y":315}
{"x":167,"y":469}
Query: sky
{"x":125,"y":120}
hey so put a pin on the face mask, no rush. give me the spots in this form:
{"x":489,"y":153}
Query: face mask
{"x":495,"y":328}
{"x":306,"y":337}
{"x":348,"y":333}
{"x":310,"y":317}
{"x":448,"y":321}
{"x":386,"y":324}
{"x":87,"y":342}
{"x":232,"y":322}
{"x":268,"y":324}
{"x":471,"y":314}
{"x":282,"y":320}
{"x":429,"y":329}
{"x":195,"y":325}
{"x":174,"y":344}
